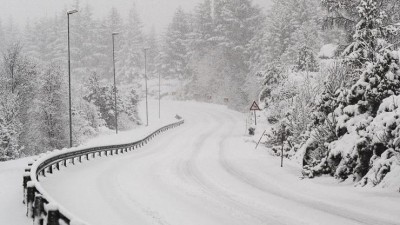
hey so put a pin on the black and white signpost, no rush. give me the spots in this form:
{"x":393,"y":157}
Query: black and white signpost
{"x":255,"y":108}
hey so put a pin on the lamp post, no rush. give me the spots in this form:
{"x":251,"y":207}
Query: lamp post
{"x":115,"y":85}
{"x":159,"y":95}
{"x":145,"y":78}
{"x":69,"y":80}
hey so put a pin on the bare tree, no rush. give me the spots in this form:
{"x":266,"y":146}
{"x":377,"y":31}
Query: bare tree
{"x":12,"y":58}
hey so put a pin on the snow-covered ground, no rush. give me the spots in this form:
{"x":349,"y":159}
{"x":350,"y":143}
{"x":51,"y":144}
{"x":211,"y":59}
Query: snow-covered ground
{"x":204,"y":173}
{"x":12,"y":211}
{"x":200,"y":173}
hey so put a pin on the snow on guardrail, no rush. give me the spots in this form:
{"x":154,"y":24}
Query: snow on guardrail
{"x":41,"y":207}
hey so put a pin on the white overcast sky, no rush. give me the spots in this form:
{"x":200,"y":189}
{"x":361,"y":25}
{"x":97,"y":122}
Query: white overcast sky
{"x":157,"y":13}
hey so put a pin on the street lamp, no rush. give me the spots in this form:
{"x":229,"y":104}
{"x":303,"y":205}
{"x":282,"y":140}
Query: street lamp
{"x":145,"y":78}
{"x":69,"y":80}
{"x":115,"y":85}
{"x":159,"y":95}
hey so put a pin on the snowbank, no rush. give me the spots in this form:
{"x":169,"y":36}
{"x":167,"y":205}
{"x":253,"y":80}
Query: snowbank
{"x":328,"y":51}
{"x":13,"y":212}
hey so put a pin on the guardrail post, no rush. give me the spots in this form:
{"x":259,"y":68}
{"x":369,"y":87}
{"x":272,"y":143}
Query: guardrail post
{"x":38,"y":209}
{"x":30,"y":197}
{"x":53,"y":215}
{"x":80,"y":159}
{"x":51,"y":169}
{"x":73,"y":160}
{"x":58,"y":166}
{"x":87,"y":157}
{"x":25,"y":181}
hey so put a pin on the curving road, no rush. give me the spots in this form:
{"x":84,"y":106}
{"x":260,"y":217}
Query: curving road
{"x":203,"y":173}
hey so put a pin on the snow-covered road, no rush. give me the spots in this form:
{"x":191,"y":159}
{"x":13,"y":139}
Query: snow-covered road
{"x":204,"y":173}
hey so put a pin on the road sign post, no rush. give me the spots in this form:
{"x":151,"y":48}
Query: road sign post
{"x":254,"y":107}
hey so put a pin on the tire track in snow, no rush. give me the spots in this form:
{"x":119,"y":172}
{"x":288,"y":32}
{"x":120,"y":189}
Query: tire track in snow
{"x":124,"y":200}
{"x":228,"y":201}
{"x":120,"y":199}
{"x":175,"y":171}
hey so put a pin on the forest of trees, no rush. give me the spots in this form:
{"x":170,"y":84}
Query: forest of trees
{"x":34,"y":79}
{"x":209,"y":51}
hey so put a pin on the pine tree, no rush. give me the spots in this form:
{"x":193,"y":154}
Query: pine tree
{"x":175,"y":50}
{"x":237,"y":22}
{"x":153,"y":52}
{"x":131,"y":62}
{"x":112,"y":23}
{"x":203,"y":36}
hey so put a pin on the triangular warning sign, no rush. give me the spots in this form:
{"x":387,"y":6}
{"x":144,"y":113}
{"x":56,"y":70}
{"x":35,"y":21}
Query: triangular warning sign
{"x":255,"y":106}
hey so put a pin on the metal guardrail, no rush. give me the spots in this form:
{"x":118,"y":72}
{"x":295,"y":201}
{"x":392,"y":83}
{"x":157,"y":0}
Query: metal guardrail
{"x":41,"y":207}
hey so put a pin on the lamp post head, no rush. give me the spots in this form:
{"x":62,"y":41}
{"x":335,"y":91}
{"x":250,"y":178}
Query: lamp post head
{"x":115,"y":33}
{"x":72,"y":11}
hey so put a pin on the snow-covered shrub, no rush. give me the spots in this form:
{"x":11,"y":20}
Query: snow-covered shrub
{"x":366,"y":123}
{"x":125,"y":122}
{"x":251,"y":131}
{"x":307,"y":60}
{"x":102,"y":97}
{"x":87,"y":121}
{"x":383,"y":134}
{"x":366,"y":120}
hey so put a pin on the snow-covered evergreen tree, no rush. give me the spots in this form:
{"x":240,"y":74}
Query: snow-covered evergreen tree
{"x":130,"y":63}
{"x":152,"y":42}
{"x":174,"y":56}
